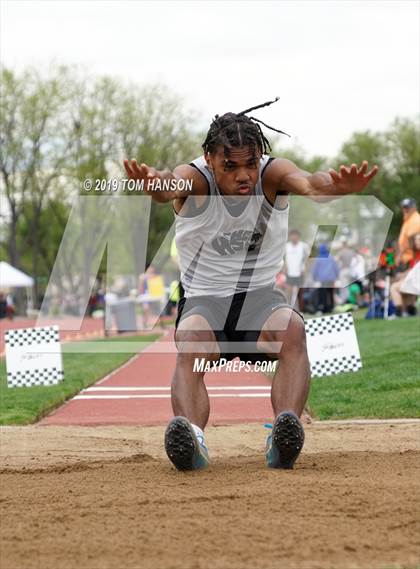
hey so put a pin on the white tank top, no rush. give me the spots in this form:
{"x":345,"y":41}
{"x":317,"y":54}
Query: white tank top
{"x":220,"y":254}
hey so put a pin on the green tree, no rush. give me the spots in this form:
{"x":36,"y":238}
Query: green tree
{"x":403,"y":165}
{"x":396,"y":152}
{"x":33,"y":151}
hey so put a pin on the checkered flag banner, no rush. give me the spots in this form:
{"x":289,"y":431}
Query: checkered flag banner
{"x":33,"y":357}
{"x":332,"y":345}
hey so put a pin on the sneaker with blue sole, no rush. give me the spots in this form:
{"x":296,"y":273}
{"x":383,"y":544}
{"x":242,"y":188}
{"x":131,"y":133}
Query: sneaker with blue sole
{"x":285,"y":442}
{"x":184,"y":448}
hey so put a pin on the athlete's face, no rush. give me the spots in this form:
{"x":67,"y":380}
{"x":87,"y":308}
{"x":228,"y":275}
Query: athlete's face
{"x":236,"y":174}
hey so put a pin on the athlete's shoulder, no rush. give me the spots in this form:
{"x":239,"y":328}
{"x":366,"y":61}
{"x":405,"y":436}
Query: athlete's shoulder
{"x":275,"y":175}
{"x":200,"y":187}
{"x":193,"y":172}
{"x":201,"y":168}
{"x":280,"y":166}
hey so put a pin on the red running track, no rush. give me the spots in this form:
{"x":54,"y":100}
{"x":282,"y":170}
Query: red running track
{"x":138,"y":393}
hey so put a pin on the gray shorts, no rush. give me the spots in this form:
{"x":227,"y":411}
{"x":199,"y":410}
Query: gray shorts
{"x":236,"y":320}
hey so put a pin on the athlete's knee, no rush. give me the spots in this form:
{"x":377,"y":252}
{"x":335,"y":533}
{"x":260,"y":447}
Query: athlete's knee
{"x":296,"y":337}
{"x":195,"y":343}
{"x":288,"y":337}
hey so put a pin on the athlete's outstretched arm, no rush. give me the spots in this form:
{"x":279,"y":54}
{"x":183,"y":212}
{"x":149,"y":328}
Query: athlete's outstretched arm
{"x":184,"y":172}
{"x":283,"y":175}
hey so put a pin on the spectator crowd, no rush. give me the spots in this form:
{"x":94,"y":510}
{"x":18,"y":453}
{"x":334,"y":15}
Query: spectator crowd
{"x":323,"y":281}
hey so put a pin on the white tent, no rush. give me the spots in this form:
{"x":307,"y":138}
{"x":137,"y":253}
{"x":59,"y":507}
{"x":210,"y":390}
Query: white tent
{"x":11,"y":277}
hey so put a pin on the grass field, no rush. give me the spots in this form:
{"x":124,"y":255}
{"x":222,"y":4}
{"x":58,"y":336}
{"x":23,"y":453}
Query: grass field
{"x":387,"y":386}
{"x":23,"y":405}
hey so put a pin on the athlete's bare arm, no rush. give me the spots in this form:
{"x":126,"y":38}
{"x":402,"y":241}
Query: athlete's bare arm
{"x":185,"y":172}
{"x":283,"y":175}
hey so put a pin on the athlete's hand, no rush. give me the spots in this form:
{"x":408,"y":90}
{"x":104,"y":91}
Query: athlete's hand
{"x":352,"y":180}
{"x":141,"y":172}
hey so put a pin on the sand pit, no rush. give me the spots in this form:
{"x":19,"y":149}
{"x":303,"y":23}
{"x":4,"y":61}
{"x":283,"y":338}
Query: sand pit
{"x":106,"y":497}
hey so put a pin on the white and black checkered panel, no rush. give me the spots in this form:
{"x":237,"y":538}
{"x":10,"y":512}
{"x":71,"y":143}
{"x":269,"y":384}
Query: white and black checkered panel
{"x":30,"y":378}
{"x":329,"y":324}
{"x":335,"y":365}
{"x":29,"y":336}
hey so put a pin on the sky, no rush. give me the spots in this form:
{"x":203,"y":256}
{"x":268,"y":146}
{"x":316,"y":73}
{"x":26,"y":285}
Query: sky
{"x":337,"y":66}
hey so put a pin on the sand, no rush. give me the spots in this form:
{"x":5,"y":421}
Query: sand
{"x":107,"y":497}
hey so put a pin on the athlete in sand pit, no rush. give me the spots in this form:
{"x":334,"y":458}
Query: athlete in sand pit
{"x":231,"y":231}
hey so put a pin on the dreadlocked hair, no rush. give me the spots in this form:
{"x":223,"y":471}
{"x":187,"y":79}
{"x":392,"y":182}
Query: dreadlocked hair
{"x":236,"y":129}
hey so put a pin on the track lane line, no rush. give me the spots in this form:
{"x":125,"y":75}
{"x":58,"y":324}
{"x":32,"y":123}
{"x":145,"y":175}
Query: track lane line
{"x":164,"y":396}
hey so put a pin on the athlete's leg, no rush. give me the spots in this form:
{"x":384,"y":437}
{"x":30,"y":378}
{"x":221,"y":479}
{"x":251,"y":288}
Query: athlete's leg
{"x":195,"y":341}
{"x":290,"y":385}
